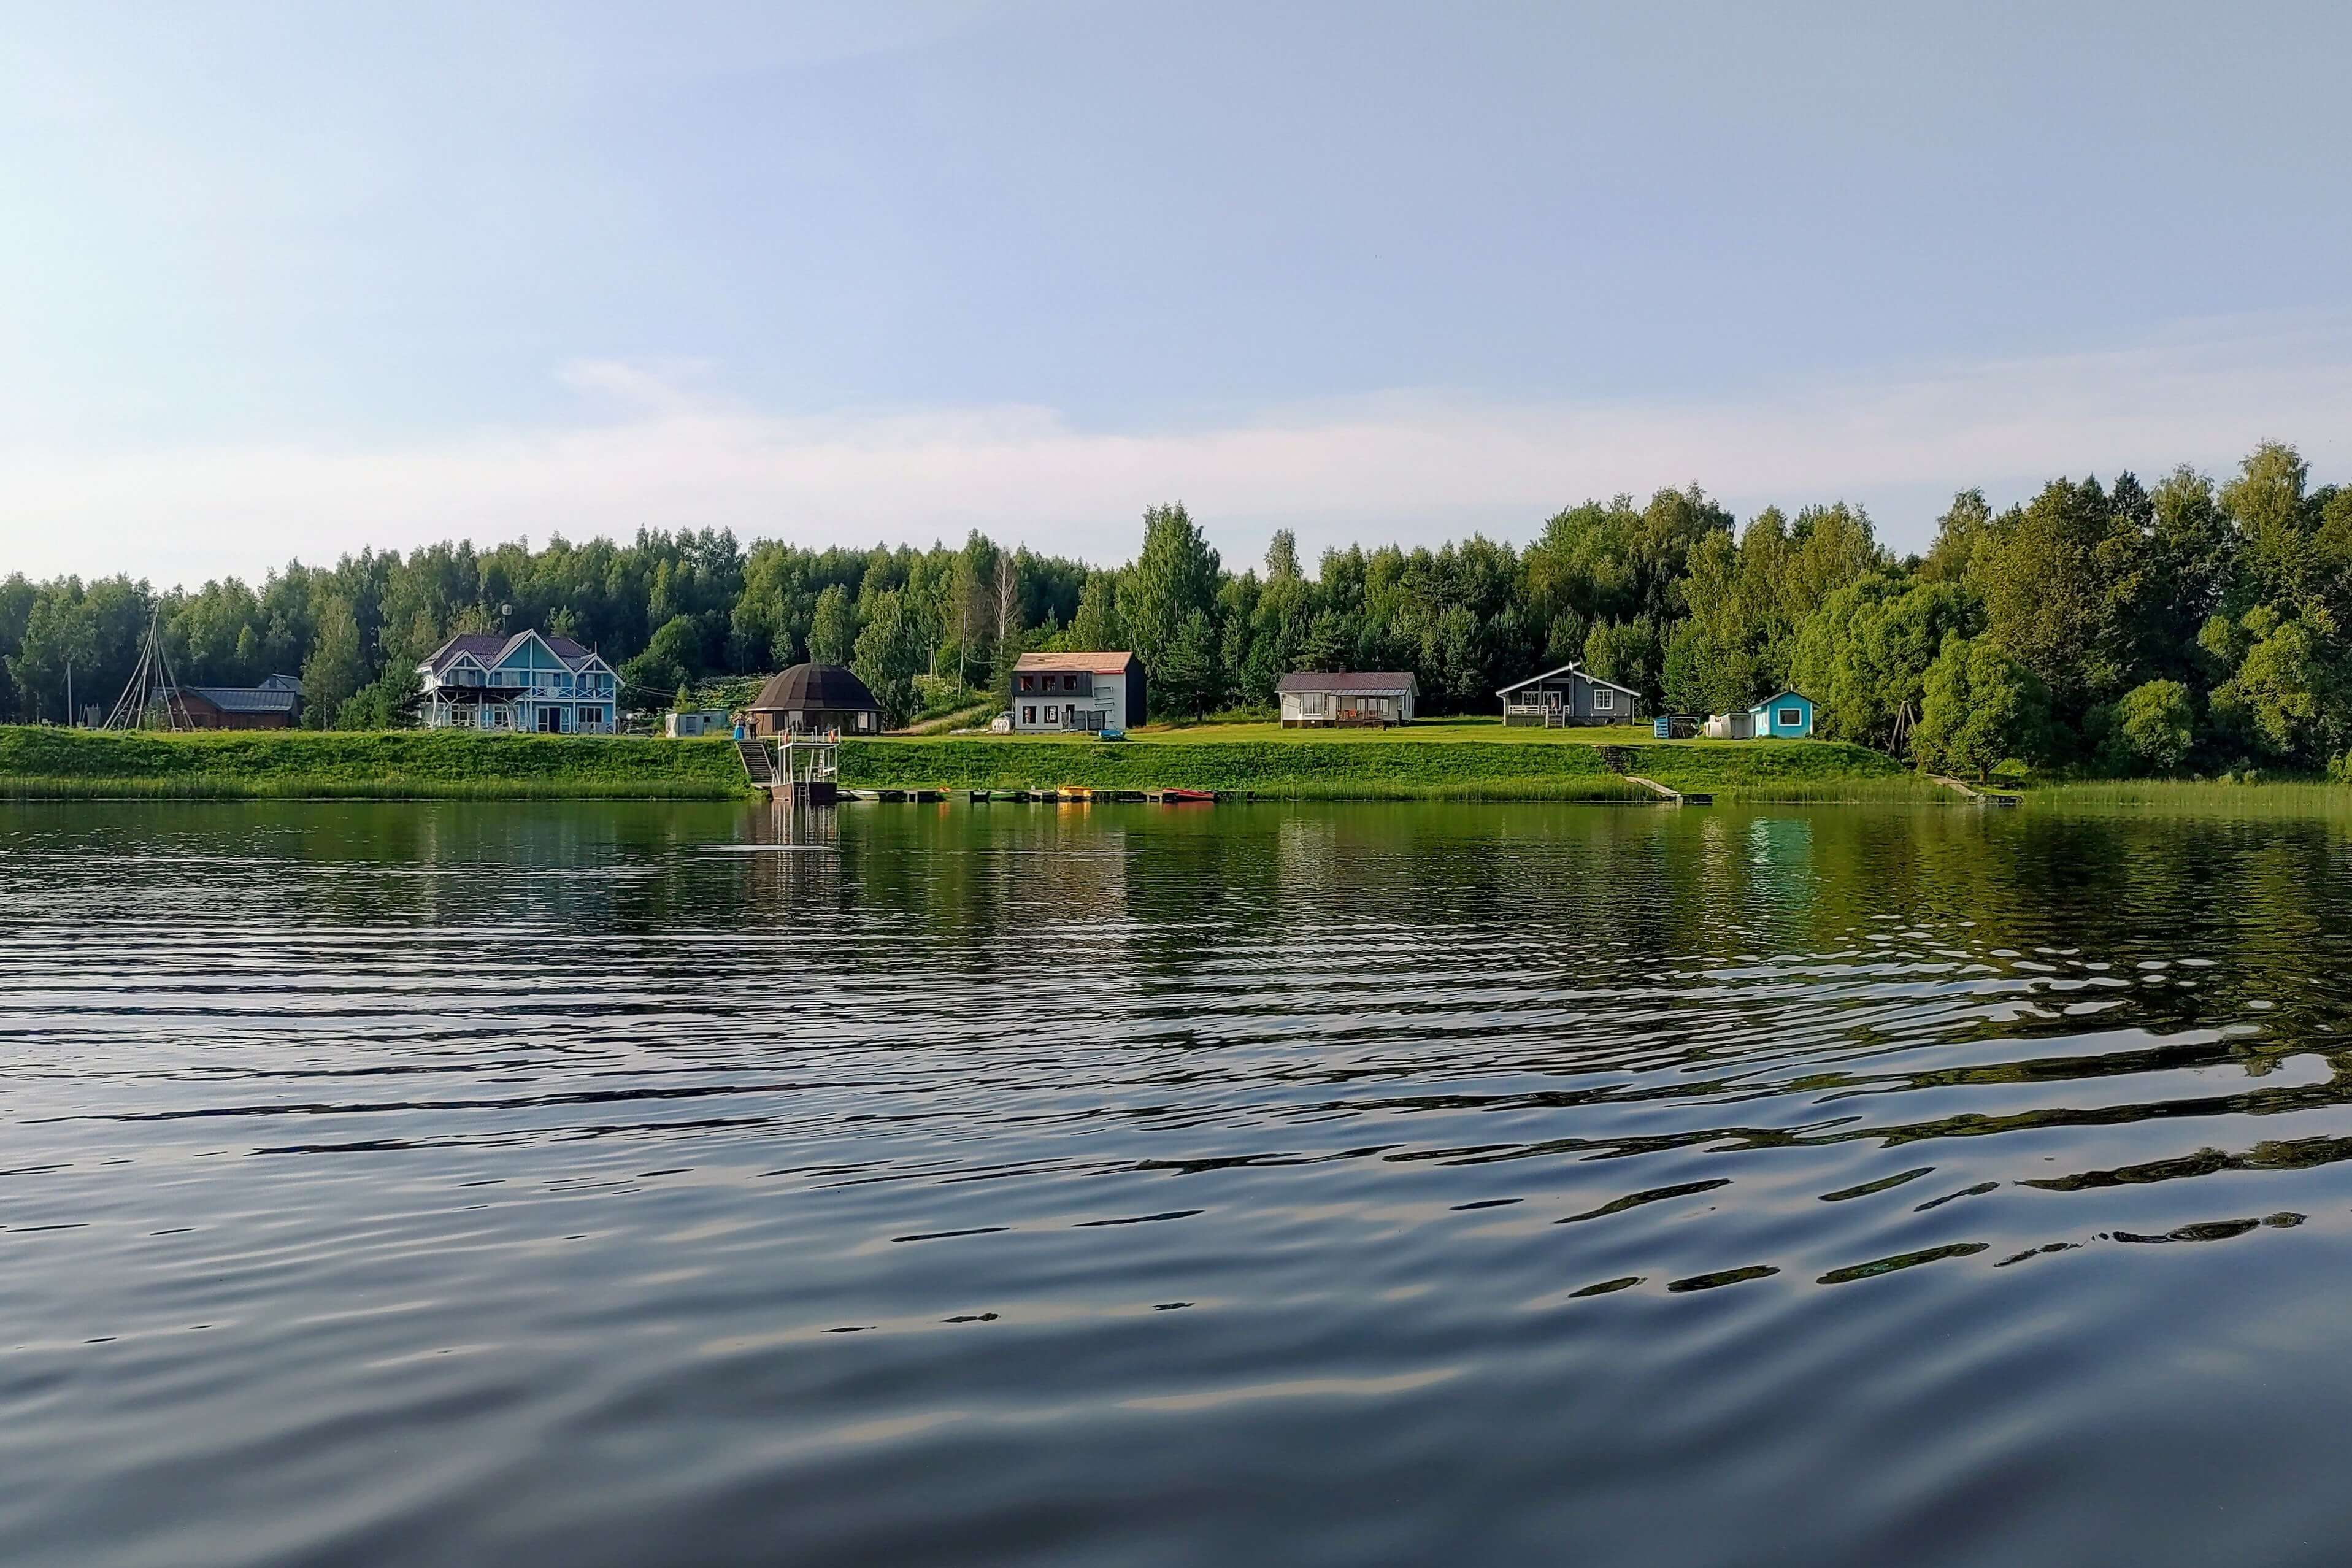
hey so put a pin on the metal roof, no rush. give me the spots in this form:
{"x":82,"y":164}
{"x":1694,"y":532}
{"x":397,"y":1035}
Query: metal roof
{"x":1577,"y":669}
{"x":1378,"y":683}
{"x":1093,"y":663}
{"x":249,"y":699}
{"x":488,"y":647}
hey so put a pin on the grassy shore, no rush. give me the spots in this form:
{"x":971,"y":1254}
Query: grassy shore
{"x":1466,"y":760}
{"x":2196,"y":797}
{"x":40,"y":764}
{"x":1400,"y":765}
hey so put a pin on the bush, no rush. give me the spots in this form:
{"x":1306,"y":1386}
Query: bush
{"x":2154,"y":729}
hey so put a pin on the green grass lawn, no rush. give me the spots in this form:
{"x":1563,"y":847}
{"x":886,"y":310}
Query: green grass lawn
{"x":49,"y":762}
{"x":2195,"y":797}
{"x":1368,"y":764}
{"x":1471,"y":760}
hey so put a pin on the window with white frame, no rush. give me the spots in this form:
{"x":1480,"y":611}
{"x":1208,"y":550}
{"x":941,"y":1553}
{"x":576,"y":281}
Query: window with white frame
{"x":1603,"y":700}
{"x":1793,"y":717}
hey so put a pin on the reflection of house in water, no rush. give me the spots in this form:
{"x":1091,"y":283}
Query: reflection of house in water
{"x":794,"y":865}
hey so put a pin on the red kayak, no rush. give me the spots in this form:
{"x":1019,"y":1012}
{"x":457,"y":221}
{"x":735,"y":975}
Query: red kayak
{"x":1188,"y":797}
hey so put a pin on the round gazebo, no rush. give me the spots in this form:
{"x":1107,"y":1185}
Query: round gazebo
{"x":810,"y":699}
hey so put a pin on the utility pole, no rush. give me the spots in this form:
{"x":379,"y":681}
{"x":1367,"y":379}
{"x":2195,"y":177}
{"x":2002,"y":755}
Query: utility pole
{"x":69,"y":709}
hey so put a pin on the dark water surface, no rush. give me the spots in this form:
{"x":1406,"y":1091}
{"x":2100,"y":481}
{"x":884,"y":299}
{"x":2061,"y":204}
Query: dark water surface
{"x":467,"y":1184}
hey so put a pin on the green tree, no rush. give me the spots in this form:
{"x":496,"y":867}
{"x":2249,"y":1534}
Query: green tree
{"x":833,"y":626}
{"x":668,"y":661}
{"x":1981,"y":708}
{"x":1863,"y":655}
{"x":2155,"y":728}
{"x":1095,"y":627}
{"x":1191,"y":681}
{"x":1328,"y":640}
{"x":891,"y":651}
{"x":336,"y":668}
{"x":2047,"y":595}
{"x":1175,"y":577}
{"x":2284,"y":699}
{"x":1281,"y":557}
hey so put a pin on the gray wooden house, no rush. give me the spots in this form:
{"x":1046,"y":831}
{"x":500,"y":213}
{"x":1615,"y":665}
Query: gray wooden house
{"x":1371,"y":699}
{"x":1569,"y":696}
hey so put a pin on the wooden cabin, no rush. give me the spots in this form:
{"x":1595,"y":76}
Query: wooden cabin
{"x":1568,"y":695}
{"x":275,"y":704}
{"x":1347,"y":698}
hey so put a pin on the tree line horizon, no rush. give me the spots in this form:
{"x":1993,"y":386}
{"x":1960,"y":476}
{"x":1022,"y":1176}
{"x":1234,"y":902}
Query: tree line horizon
{"x":2194,"y":624}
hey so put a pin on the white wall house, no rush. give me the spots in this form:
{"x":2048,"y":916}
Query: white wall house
{"x":1057,"y":693}
{"x":1373,"y":698}
{"x":527,"y":682}
{"x":680,"y":726}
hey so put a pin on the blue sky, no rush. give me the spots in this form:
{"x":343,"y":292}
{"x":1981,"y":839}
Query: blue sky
{"x":292,"y":278}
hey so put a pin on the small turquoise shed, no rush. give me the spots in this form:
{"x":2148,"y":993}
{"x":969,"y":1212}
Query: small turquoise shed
{"x":1784,"y":715}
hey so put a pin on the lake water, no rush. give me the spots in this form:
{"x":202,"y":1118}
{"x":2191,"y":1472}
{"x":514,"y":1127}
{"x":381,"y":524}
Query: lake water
{"x":587,"y":1185}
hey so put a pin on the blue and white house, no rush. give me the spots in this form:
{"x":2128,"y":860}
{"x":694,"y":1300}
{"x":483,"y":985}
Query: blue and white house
{"x":530,"y":682}
{"x":1784,"y":715}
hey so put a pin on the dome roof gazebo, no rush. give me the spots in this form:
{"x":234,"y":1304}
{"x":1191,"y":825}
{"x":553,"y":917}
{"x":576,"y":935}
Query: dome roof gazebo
{"x":812,"y":698}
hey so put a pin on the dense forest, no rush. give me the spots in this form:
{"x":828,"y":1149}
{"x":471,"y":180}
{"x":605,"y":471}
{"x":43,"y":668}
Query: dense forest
{"x":2117,"y":628}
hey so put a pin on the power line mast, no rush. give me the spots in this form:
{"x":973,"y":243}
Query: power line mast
{"x":151,"y":700}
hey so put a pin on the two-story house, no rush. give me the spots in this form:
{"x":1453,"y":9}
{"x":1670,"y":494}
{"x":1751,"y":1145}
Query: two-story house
{"x":1055,"y":693}
{"x":546,"y":685}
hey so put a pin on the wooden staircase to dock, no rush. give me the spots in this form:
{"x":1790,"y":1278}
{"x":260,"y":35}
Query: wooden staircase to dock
{"x":756,"y":761}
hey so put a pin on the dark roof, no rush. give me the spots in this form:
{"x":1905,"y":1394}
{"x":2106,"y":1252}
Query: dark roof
{"x":1349,"y":681}
{"x":250,"y":698}
{"x":1574,"y":672}
{"x":489,"y":647}
{"x":813,"y":689}
{"x":1096,"y":663}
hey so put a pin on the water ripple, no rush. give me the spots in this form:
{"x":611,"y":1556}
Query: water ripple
{"x":615,"y":1184}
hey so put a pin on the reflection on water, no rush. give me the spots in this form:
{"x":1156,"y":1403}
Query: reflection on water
{"x":628,"y":1184}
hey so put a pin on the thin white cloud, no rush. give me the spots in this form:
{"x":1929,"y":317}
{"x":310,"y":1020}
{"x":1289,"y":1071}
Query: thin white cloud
{"x":1403,"y":466}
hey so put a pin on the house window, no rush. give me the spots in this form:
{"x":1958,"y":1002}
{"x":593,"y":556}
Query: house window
{"x":1029,"y":715}
{"x":1793,"y":717}
{"x":1069,"y":683}
{"x":1028,"y":683}
{"x":1603,"y":700}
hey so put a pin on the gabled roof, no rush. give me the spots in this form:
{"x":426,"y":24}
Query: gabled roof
{"x":1576,"y":669}
{"x":1784,"y":691}
{"x":1093,"y":663}
{"x":488,"y":649}
{"x":1375,"y":681}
